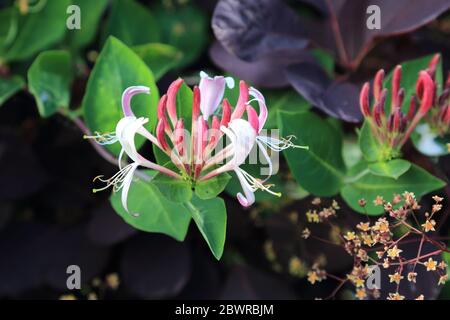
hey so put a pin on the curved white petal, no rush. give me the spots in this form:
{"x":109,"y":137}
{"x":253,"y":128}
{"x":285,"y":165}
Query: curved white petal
{"x":127,"y":94}
{"x":249,"y":197}
{"x":269,"y":161}
{"x":258,"y":96}
{"x":126,"y":187}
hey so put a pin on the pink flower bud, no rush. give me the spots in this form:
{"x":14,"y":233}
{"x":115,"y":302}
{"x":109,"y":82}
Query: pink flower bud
{"x":226,"y":113}
{"x":253,"y":117}
{"x":172,"y":100}
{"x":364,"y":100}
{"x":242,"y":101}
{"x":425,"y":92}
{"x":160,"y":134}
{"x":396,"y":78}
{"x":378,"y":84}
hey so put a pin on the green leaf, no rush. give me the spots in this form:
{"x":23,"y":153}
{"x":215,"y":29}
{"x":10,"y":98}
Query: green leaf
{"x":38,"y":30}
{"x":410,"y":73}
{"x":116,"y":69}
{"x":159,"y":57}
{"x":9,"y":86}
{"x":213,"y":187}
{"x":156,"y":212}
{"x":9,"y":18}
{"x":132,"y":23}
{"x":367,"y":186}
{"x":320,"y":169}
{"x":175,"y":190}
{"x":185,"y":27}
{"x":49,"y":80}
{"x":91,"y":13}
{"x":370,"y":148}
{"x":211,"y":219}
{"x":391,"y":169}
{"x":288,"y":101}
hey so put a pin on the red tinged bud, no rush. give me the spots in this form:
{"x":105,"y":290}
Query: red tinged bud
{"x":378,"y":84}
{"x":162,"y":106}
{"x":226,"y":113}
{"x":396,"y":78}
{"x":378,"y":110}
{"x":252,"y":117}
{"x":397,"y":117}
{"x":196,"y":104}
{"x":160,"y":134}
{"x":412,"y":108}
{"x":425,"y":92}
{"x":433,"y":64}
{"x":172,"y":100}
{"x":444,"y":98}
{"x":215,"y":132}
{"x":178,"y":137}
{"x":242,"y":101}
{"x":364,"y":100}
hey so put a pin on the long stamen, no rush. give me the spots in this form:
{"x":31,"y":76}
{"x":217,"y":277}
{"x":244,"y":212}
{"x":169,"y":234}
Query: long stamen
{"x":279,"y":144}
{"x":256,"y":184}
{"x":103,"y":139}
{"x":116,"y":181}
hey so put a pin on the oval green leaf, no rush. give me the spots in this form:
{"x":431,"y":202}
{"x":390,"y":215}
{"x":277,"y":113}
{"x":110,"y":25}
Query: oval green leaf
{"x":156,"y":212}
{"x":368,"y":186}
{"x":211,"y":219}
{"x":49,"y":80}
{"x":391,"y":169}
{"x":117,"y":68}
{"x":320,"y":169}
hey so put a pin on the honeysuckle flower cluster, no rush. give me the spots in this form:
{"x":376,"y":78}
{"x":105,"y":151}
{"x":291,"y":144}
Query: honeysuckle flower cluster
{"x":378,"y":243}
{"x":194,"y":153}
{"x":390,"y":126}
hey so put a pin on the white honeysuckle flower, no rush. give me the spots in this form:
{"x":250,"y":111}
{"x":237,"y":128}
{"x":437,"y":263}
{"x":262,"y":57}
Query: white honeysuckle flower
{"x":212,"y":90}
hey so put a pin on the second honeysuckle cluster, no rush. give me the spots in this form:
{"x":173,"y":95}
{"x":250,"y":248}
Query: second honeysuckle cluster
{"x":391,"y":127}
{"x":195,"y":154}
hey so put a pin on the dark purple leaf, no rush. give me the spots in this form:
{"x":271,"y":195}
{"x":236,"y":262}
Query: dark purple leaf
{"x":71,"y":246}
{"x":339,"y":100}
{"x":264,"y":72}
{"x":204,"y":282}
{"x":20,"y":171}
{"x":155,"y":266}
{"x":399,"y":16}
{"x":38,"y":254}
{"x":107,"y":228}
{"x":251,"y":29}
{"x":246,"y":283}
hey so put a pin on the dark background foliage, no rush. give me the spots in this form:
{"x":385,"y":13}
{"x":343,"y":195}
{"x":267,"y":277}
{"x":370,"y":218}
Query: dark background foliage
{"x":49,"y":218}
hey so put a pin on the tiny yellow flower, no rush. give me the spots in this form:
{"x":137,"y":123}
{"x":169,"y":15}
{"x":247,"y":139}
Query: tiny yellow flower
{"x":394,"y":252}
{"x":396,"y":277}
{"x":443,"y":279}
{"x":412,"y":276}
{"x":395,"y":296}
{"x":361,"y":293}
{"x":378,"y":201}
{"x":350,"y":236}
{"x":312,"y":277}
{"x":429,"y":225}
{"x":363,"y":226}
{"x":430,"y":264}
